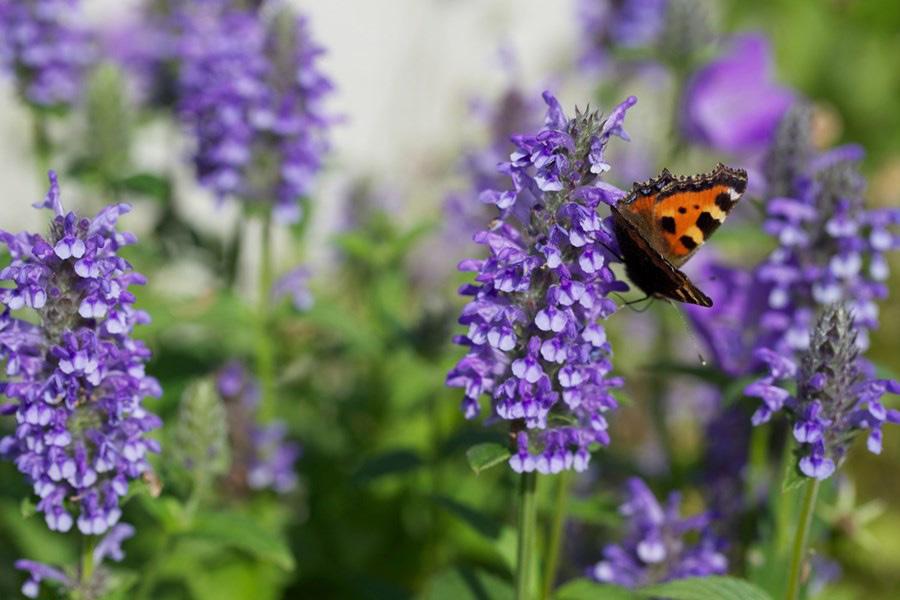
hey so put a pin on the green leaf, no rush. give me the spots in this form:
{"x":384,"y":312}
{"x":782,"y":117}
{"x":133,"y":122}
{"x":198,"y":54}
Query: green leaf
{"x":389,"y":463}
{"x":463,"y":583}
{"x":705,"y":588}
{"x":484,"y":456}
{"x":480,"y":522}
{"x":585,"y":589}
{"x":147,"y":184}
{"x":242,"y":532}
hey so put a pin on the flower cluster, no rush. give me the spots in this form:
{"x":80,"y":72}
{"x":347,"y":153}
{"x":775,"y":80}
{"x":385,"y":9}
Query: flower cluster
{"x":262,"y":457}
{"x":76,"y":375}
{"x":836,"y":394}
{"x":534,"y":341}
{"x":830,"y":248}
{"x":110,"y":546}
{"x":45,"y":50}
{"x":252,"y":93}
{"x":294,"y":285}
{"x":654,"y":549}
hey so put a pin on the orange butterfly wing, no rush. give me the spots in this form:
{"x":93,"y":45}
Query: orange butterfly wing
{"x":677,"y":216}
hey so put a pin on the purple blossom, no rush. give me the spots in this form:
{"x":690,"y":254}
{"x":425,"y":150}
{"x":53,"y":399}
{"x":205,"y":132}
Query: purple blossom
{"x":252,"y":94}
{"x":46,"y":51}
{"x":75,"y":375}
{"x":534,"y":342}
{"x":262,"y":455}
{"x":837,"y":395}
{"x":732,"y":104}
{"x":608,"y":25}
{"x":654,"y":550}
{"x":294,"y":285}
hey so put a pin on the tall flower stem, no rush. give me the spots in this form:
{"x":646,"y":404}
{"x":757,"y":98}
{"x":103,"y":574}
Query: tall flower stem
{"x":43,"y":147}
{"x":265,"y":350}
{"x":86,"y":570}
{"x":560,"y":503}
{"x":801,"y":538}
{"x":527,"y":530}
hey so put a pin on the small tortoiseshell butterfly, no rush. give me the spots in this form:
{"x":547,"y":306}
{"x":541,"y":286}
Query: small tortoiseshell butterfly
{"x":663,"y":221}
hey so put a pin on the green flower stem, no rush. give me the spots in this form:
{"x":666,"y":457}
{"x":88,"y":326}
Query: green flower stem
{"x":801,"y":538}
{"x":527,"y":530}
{"x":265,"y":350}
{"x":86,"y":569}
{"x":560,"y":503}
{"x":43,"y":147}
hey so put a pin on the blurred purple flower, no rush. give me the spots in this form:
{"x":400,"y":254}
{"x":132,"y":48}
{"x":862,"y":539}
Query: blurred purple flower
{"x":76,"y":375}
{"x":262,"y":456}
{"x":534,"y":343}
{"x":611,"y":24}
{"x":252,"y":93}
{"x":732,"y":104}
{"x":836,"y":396}
{"x":44,"y":49}
{"x":294,"y":285}
{"x":654,"y":549}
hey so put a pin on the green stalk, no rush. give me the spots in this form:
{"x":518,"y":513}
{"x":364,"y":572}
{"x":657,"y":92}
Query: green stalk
{"x":801,"y":538}
{"x":265,"y":351}
{"x":527,"y":530}
{"x":86,"y":569}
{"x":43,"y":147}
{"x":560,"y":503}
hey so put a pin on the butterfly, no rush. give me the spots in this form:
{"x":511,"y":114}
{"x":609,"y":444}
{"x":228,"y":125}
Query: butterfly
{"x":663,"y":222}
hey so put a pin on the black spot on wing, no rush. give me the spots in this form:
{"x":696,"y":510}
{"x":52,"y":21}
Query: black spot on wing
{"x":688,"y":242}
{"x":724,"y":201}
{"x":668,"y":224}
{"x":707,"y":224}
{"x":682,"y":210}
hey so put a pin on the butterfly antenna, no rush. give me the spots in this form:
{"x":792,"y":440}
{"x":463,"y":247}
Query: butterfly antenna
{"x":631,"y":302}
{"x":690,"y":331}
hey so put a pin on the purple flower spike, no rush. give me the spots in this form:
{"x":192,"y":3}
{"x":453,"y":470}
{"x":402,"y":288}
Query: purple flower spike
{"x":251,"y":91}
{"x":534,"y":340}
{"x":262,"y":455}
{"x":75,"y":374}
{"x":653,"y":550}
{"x":732,"y":104}
{"x":44,"y":49}
{"x":836,"y":398}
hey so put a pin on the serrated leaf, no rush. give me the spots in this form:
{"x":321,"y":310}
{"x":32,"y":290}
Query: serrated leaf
{"x":482,"y":457}
{"x":705,"y":588}
{"x":467,"y":584}
{"x":242,"y":532}
{"x":585,"y":589}
{"x":793,"y":478}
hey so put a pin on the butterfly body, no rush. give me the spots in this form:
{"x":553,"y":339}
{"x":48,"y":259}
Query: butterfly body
{"x":663,"y":222}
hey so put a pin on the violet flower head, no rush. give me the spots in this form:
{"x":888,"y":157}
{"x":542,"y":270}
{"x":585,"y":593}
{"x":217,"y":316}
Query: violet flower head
{"x":262,"y":455}
{"x":535,"y":345}
{"x":44,"y":49}
{"x":76,"y":377}
{"x":654,"y":550}
{"x":608,"y":25}
{"x":830,"y":247}
{"x":732,"y":104}
{"x":836,"y":395}
{"x":294,"y":285}
{"x":252,"y":93}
